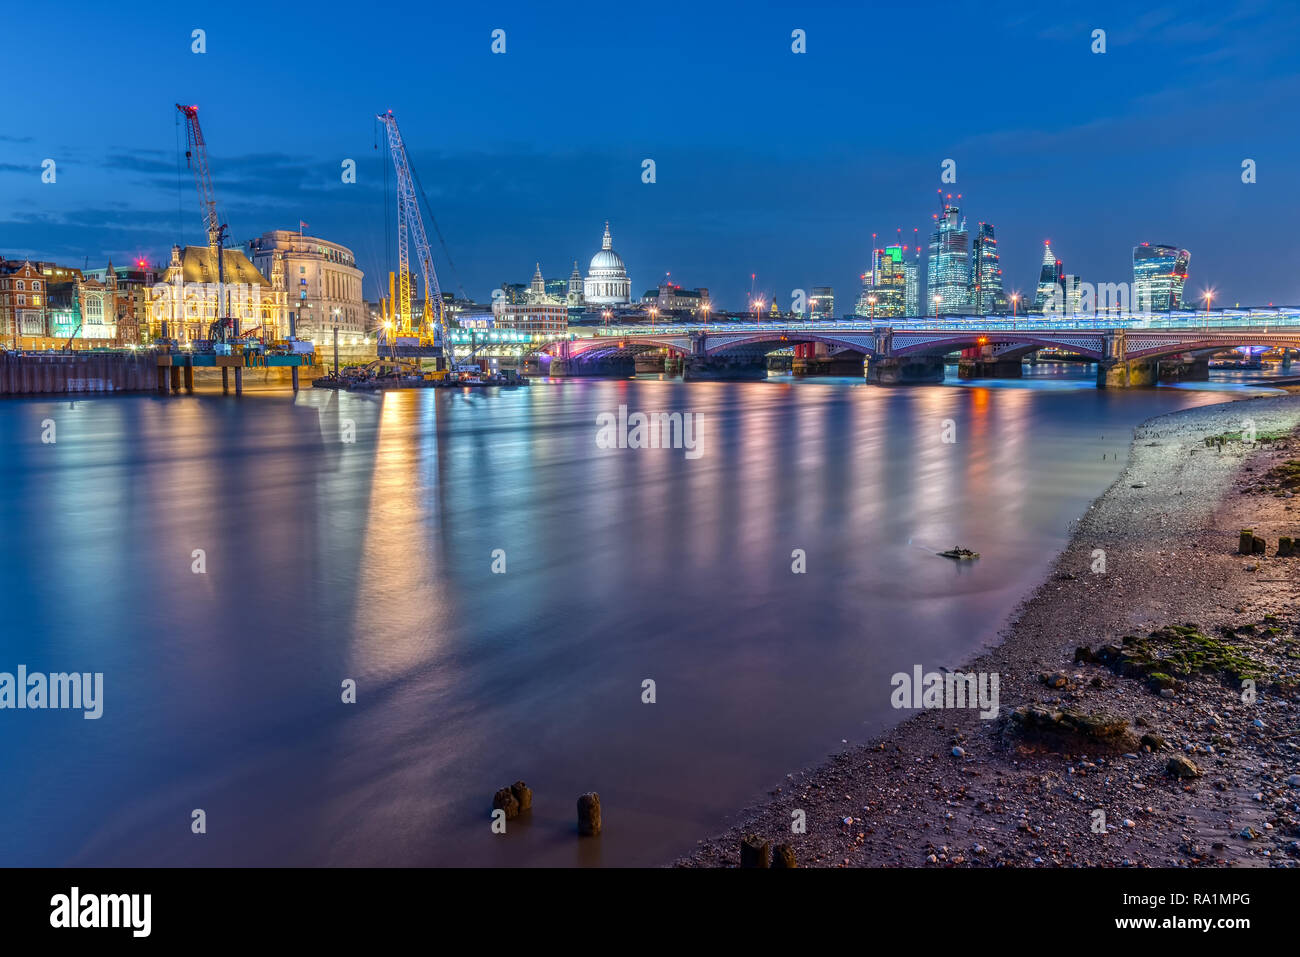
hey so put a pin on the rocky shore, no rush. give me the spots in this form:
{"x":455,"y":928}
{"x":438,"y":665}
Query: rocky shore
{"x":1149,"y":689}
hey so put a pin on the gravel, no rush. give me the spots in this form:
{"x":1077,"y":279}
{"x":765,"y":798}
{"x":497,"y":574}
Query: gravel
{"x":1169,"y":527}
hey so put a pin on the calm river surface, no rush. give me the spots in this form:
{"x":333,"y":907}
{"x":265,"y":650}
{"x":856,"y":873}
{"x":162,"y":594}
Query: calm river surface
{"x":372,"y":560}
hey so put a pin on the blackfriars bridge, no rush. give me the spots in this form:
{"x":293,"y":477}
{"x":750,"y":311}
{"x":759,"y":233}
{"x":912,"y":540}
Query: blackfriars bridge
{"x":1128,"y":350}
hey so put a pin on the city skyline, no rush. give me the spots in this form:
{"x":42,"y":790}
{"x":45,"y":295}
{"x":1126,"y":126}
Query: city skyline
{"x":524,"y":184}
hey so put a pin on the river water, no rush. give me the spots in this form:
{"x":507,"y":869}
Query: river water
{"x":372,"y":560}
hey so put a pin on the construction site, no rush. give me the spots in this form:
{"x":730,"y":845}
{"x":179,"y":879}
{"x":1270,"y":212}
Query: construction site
{"x":216,"y":318}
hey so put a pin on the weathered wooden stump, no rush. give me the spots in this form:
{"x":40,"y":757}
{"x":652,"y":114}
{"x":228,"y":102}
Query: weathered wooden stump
{"x":1284,"y":547}
{"x":755,"y":852}
{"x":1247,"y":541}
{"x":523,"y":794}
{"x":505,"y":800}
{"x":589,"y":814}
{"x":1258,"y":545}
{"x":783,"y":856}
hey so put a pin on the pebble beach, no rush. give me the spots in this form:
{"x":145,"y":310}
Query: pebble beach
{"x":1149,"y":688}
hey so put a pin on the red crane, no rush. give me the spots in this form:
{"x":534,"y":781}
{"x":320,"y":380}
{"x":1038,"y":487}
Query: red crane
{"x":197,"y":149}
{"x":196,"y":158}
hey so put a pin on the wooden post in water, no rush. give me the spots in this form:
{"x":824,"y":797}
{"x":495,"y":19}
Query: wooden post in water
{"x":293,"y":338}
{"x":189,"y":378}
{"x":225,"y":380}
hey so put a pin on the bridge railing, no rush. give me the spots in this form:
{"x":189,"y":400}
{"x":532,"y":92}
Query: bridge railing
{"x":1275,"y":318}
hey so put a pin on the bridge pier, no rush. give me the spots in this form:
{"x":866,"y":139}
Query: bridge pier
{"x":724,"y":368}
{"x":842,"y":364}
{"x":614,"y":367}
{"x":988,"y":368}
{"x":650,"y":362}
{"x":1126,"y":373}
{"x":904,"y":370}
{"x":1189,"y":369}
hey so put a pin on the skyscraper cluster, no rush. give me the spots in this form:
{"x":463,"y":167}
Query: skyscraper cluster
{"x":963,"y":277}
{"x":891,"y":287}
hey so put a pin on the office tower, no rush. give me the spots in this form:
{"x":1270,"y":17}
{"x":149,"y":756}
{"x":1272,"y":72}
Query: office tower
{"x":1159,"y":273}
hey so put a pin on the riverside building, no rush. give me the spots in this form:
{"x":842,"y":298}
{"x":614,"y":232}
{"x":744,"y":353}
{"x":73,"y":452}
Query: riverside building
{"x":322,"y":281}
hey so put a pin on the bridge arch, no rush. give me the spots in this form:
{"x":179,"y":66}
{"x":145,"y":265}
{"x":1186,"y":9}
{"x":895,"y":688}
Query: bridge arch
{"x":760,"y":343}
{"x":1211,"y":344}
{"x":1008,"y":346}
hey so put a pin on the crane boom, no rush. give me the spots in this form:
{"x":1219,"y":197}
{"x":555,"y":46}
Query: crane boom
{"x":410,"y":228}
{"x":196,"y":157}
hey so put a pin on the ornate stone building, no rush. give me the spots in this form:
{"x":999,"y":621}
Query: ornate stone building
{"x":24,"y":306}
{"x":186,"y":298}
{"x":575,"y":298}
{"x":322,"y":281}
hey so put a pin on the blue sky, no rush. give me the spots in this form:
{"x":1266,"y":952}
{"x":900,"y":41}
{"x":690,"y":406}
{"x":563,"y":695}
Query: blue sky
{"x":767,"y":162}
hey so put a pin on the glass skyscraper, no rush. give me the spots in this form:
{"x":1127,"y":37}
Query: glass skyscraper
{"x":949,"y":266}
{"x":986,"y":293}
{"x":1050,"y":295}
{"x":821,"y":305}
{"x":885,"y":283}
{"x":912,"y":283}
{"x":1159,"y":273}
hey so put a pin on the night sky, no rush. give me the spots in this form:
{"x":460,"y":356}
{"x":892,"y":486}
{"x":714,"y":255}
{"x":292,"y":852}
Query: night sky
{"x":768,"y":162}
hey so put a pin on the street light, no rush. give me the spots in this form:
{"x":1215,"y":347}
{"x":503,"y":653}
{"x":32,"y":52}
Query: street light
{"x":1015,"y":298}
{"x":937,"y":299}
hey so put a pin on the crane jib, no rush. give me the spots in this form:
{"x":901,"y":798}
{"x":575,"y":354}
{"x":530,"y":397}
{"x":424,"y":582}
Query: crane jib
{"x":410,"y":231}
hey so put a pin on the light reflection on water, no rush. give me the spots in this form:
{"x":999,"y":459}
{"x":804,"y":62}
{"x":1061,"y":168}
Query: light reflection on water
{"x":372,"y":561}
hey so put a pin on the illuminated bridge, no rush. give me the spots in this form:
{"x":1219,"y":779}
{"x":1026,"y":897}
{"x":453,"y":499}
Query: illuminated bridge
{"x":1130,"y":350}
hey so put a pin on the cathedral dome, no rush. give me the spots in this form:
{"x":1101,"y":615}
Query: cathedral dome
{"x":607,"y":261}
{"x":607,"y":283}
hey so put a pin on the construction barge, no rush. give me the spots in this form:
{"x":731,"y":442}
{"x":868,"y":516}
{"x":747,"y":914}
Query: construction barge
{"x":366,"y":379}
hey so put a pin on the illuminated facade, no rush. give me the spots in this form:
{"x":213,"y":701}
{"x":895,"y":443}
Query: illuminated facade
{"x":61,"y":302}
{"x":1051,"y":282}
{"x":949,"y":266}
{"x":986,"y":294}
{"x":822,"y":302}
{"x":672,"y":298}
{"x":322,"y":281}
{"x":607,"y":283}
{"x":912,"y":287}
{"x":540,"y":318}
{"x":129,"y":287}
{"x":884,"y":285}
{"x":575,"y":297}
{"x":1159,"y":273}
{"x":183,"y":304}
{"x":23,"y":300}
